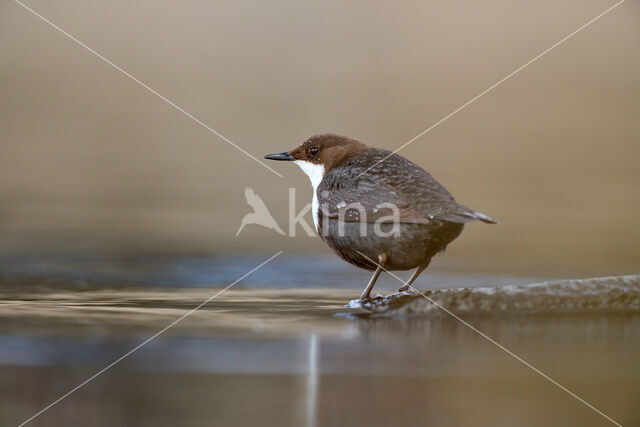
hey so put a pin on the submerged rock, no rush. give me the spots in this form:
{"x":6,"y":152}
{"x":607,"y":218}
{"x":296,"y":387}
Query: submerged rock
{"x":605,"y":294}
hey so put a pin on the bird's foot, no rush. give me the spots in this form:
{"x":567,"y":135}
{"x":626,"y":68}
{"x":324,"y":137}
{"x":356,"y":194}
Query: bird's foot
{"x":360,"y":303}
{"x":380,"y":304}
{"x":364,"y":301}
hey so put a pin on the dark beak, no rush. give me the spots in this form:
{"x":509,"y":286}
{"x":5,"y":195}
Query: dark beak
{"x":279,"y":156}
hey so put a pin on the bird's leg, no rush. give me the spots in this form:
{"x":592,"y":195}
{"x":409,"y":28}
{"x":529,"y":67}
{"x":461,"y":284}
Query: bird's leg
{"x":414,"y":277}
{"x":382,"y":260}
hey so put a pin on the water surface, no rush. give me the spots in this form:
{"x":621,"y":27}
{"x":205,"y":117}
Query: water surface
{"x":268,"y":355}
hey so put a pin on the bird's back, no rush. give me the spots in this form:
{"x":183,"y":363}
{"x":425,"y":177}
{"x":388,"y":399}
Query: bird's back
{"x":417,"y":187}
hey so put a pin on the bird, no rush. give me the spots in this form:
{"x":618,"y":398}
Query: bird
{"x":376,"y":209}
{"x":260,"y":214}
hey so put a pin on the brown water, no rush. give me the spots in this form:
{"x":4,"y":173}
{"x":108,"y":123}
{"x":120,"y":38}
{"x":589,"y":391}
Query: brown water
{"x":256,"y":355}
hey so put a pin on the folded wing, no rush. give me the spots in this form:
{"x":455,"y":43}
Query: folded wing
{"x":398,"y":190}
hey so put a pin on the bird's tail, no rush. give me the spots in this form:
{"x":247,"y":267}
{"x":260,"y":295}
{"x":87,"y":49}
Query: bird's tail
{"x":241,"y":226}
{"x":484,"y":218}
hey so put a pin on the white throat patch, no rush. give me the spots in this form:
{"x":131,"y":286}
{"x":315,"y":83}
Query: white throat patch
{"x":315,"y":173}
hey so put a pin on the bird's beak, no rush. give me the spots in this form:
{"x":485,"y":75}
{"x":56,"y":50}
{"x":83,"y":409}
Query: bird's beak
{"x":279,"y":156}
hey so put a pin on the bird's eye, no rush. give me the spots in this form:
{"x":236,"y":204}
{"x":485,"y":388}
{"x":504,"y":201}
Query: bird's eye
{"x":314,"y":150}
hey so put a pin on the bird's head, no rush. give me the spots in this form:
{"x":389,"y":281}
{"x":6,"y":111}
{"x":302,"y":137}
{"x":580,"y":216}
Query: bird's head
{"x":321,"y":153}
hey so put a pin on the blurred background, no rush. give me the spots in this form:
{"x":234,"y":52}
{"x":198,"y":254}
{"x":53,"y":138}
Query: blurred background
{"x":118,"y":213}
{"x":90,"y":161}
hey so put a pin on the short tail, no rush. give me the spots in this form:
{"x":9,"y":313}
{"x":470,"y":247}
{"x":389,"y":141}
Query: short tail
{"x":462,"y":215}
{"x":484,"y":218}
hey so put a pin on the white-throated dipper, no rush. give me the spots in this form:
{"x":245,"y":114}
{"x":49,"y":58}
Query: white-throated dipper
{"x":369,"y":204}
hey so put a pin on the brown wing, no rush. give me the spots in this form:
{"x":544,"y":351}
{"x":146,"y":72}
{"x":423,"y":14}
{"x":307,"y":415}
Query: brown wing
{"x":367,"y":200}
{"x":392,"y":184}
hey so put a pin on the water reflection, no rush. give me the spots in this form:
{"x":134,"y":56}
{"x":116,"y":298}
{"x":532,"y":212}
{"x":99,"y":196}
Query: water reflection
{"x":282,"y":357}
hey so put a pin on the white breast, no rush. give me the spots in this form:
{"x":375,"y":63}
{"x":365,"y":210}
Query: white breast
{"x":315,"y":173}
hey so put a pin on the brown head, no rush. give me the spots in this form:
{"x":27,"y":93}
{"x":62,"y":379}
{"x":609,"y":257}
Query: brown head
{"x":318,"y":155}
{"x":321,"y":152}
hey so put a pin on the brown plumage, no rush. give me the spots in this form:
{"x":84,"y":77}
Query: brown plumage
{"x":375,"y":209}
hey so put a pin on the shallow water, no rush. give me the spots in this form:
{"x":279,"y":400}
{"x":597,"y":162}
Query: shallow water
{"x":262,"y":355}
